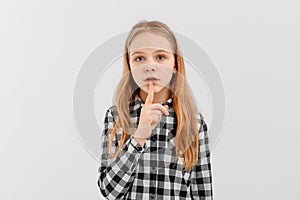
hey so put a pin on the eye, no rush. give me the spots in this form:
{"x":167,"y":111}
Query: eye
{"x":137,"y":58}
{"x":161,"y":57}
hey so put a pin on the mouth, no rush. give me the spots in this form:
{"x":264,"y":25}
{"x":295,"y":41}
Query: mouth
{"x":152,"y":78}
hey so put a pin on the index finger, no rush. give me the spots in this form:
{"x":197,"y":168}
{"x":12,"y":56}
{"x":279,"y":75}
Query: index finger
{"x":150,"y":95}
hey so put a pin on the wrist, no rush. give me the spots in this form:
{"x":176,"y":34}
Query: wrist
{"x":141,"y":141}
{"x":143,"y":132}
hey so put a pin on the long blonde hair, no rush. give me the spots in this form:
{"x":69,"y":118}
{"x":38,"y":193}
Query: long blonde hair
{"x":183,"y":101}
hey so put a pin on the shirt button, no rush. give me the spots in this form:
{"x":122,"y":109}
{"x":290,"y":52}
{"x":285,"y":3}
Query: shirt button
{"x":153,"y":196}
{"x":153,"y":138}
{"x":153,"y":169}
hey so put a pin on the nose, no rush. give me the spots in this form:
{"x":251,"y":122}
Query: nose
{"x":150,"y":68}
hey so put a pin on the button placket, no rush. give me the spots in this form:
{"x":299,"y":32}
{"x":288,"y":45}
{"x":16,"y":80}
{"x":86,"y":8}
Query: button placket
{"x":153,"y":178}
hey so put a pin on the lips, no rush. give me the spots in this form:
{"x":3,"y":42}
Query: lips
{"x":152,"y":78}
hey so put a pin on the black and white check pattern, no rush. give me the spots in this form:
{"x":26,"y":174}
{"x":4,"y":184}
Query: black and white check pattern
{"x":149,"y":172}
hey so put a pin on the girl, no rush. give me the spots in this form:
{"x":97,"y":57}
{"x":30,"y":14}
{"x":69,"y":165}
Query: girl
{"x":154,"y":120}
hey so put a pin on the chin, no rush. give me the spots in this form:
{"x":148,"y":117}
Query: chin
{"x":157,"y":89}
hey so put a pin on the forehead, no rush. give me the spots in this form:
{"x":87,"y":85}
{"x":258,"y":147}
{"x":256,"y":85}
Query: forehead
{"x":147,"y":42}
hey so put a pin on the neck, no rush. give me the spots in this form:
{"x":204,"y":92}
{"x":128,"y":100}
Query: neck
{"x":159,"y":97}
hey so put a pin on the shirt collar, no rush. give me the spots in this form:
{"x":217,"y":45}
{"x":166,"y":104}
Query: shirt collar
{"x":138,"y":103}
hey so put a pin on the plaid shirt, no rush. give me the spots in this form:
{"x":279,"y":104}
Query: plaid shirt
{"x":149,"y":172}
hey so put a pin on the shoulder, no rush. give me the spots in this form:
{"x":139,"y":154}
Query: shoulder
{"x":202,"y":126}
{"x":109,"y":117}
{"x":111,"y":111}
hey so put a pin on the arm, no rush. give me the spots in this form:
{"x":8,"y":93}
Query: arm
{"x":116,"y":176}
{"x":201,"y":175}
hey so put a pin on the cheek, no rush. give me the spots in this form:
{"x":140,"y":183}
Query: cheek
{"x":166,"y":75}
{"x":137,"y":75}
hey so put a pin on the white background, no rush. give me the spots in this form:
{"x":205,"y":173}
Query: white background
{"x":254,"y":44}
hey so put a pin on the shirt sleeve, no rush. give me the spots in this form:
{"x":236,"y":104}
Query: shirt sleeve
{"x":201,"y":175}
{"x":116,"y":176}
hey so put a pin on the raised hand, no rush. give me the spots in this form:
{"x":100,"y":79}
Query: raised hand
{"x":150,"y":115}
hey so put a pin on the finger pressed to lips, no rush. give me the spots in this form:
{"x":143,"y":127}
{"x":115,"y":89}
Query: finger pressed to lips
{"x":150,"y":95}
{"x":149,"y":100}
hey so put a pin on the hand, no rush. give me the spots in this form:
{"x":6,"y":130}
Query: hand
{"x":150,"y":115}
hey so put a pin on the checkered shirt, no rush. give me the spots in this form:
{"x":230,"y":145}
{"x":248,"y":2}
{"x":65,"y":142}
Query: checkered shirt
{"x":151,"y":171}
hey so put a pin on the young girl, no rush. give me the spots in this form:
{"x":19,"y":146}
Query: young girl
{"x":154,"y":120}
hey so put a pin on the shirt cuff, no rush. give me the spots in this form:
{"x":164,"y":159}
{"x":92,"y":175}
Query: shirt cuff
{"x":136,"y":145}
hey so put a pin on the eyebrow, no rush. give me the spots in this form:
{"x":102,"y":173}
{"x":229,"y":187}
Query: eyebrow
{"x":157,"y":51}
